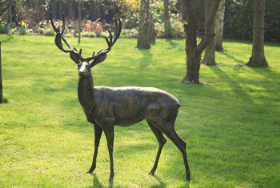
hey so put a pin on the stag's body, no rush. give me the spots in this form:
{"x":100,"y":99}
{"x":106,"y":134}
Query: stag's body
{"x":124,"y":106}
{"x":106,"y":107}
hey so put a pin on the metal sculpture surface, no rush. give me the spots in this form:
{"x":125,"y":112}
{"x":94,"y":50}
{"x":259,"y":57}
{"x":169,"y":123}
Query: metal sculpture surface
{"x":106,"y":107}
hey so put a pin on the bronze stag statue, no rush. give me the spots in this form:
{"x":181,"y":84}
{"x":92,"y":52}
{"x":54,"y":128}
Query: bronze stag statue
{"x":106,"y":107}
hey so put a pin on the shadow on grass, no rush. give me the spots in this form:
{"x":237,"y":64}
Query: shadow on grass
{"x":173,"y":44}
{"x":7,"y":38}
{"x":236,"y":88}
{"x":5,"y":101}
{"x":146,"y":59}
{"x":267,"y":72}
{"x":97,"y":183}
{"x":161,"y":183}
{"x":229,"y":56}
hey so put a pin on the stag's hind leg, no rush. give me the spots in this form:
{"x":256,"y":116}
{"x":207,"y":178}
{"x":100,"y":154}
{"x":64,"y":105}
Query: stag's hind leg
{"x":161,"y":141}
{"x":169,"y":131}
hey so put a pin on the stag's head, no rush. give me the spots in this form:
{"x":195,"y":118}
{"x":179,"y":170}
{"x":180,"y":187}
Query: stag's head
{"x":85,"y":64}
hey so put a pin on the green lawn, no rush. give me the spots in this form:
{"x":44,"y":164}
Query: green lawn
{"x":231,"y":125}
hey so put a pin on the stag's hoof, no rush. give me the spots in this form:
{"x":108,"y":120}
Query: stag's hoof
{"x":152,"y":173}
{"x":188,"y":177}
{"x":111,"y":180}
{"x":90,"y":172}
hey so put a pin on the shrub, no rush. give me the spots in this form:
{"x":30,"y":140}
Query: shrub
{"x":129,"y":33}
{"x":41,"y":31}
{"x":96,"y":26}
{"x":239,"y":17}
{"x":12,"y":31}
{"x":23,"y":30}
{"x":4,"y":28}
{"x":49,"y":32}
{"x":88,"y":34}
{"x":177,"y":29}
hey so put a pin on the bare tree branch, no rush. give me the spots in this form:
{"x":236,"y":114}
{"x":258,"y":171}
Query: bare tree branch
{"x":210,"y":20}
{"x":4,"y":5}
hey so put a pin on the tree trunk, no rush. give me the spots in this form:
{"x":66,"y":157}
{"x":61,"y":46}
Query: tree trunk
{"x":183,"y":11}
{"x":193,"y":58}
{"x":10,"y":15}
{"x":80,"y":20}
{"x":209,"y":57}
{"x":220,"y":26}
{"x":152,"y":27}
{"x":70,"y":9}
{"x":166,"y":19}
{"x":53,"y":4}
{"x":144,"y":30}
{"x":193,"y":50}
{"x":258,"y":58}
{"x":1,"y":86}
{"x":60,"y":10}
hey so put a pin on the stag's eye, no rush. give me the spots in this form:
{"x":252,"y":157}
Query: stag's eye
{"x":79,"y":66}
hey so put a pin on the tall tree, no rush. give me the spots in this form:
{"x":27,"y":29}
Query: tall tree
{"x":53,"y":5}
{"x":193,"y":50}
{"x":144,"y":26}
{"x":69,"y":6}
{"x":1,"y":85}
{"x":220,"y":26}
{"x":209,"y":57}
{"x":183,"y":11}
{"x":80,"y":21}
{"x":152,"y":26}
{"x":61,"y":7}
{"x":258,"y":58}
{"x":4,"y":4}
{"x":10,"y":15}
{"x":166,"y":18}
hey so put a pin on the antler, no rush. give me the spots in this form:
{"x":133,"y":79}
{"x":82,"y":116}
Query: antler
{"x":59,"y":35}
{"x":76,"y":56}
{"x":101,"y":55}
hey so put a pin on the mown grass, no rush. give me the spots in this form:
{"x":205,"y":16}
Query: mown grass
{"x":231,"y":124}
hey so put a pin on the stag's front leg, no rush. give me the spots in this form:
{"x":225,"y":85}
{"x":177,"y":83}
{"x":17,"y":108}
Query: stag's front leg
{"x":98,"y":133}
{"x":109,"y":132}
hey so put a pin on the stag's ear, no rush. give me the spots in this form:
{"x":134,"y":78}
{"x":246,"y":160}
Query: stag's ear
{"x":100,"y":59}
{"x":74,"y":57}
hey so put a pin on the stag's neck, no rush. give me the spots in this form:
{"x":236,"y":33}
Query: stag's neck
{"x":86,"y":93}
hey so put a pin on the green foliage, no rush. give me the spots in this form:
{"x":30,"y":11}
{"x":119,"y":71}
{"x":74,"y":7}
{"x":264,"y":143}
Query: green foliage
{"x":177,"y":29}
{"x":272,"y":19}
{"x":157,"y":9}
{"x":4,"y":28}
{"x":23,"y":30}
{"x":231,"y":125}
{"x":131,"y":22}
{"x":88,"y":34}
{"x":239,"y":16}
{"x":128,"y":7}
{"x":129,"y":33}
{"x":49,"y":32}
